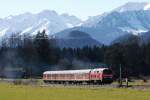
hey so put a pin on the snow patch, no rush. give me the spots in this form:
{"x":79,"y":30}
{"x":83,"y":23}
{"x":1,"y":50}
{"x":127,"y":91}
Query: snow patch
{"x":80,"y":24}
{"x":2,"y":32}
{"x":134,"y":32}
{"x":69,"y":25}
{"x":43,"y":27}
{"x":26,"y":30}
{"x":137,"y":32}
{"x":147,"y":7}
{"x":9,"y":17}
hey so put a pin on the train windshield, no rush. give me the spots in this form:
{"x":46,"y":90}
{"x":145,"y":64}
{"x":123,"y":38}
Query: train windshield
{"x":107,"y":71}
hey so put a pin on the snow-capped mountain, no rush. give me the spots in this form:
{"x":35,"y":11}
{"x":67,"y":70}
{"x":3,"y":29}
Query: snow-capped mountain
{"x":133,"y":6}
{"x":71,"y":21}
{"x":105,"y":28}
{"x":93,"y":20}
{"x":28,"y":23}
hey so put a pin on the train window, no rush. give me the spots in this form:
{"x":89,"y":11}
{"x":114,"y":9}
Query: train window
{"x":44,"y":75}
{"x":49,"y":75}
{"x":107,"y":72}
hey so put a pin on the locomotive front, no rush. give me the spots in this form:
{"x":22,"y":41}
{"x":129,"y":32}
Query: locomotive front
{"x":107,"y":76}
{"x":101,"y":75}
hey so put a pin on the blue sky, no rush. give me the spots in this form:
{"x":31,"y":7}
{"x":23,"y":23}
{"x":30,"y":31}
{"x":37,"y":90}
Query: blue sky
{"x":80,"y":8}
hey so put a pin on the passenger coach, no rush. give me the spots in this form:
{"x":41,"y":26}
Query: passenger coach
{"x":95,"y":76}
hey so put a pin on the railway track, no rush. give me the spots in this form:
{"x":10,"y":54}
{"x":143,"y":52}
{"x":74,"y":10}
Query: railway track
{"x":81,"y":85}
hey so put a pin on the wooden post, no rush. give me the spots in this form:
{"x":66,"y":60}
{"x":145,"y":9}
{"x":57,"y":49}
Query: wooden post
{"x":120,"y":79}
{"x":126,"y":81}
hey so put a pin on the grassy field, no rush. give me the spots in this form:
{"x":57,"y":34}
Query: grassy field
{"x":20,"y":92}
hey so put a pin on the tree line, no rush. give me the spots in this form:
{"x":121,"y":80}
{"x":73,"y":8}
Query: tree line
{"x":30,"y":57}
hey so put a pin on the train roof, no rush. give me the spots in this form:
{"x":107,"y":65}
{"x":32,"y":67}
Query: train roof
{"x":73,"y":71}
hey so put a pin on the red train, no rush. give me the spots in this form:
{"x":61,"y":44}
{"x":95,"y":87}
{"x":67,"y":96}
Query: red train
{"x":93,"y":76}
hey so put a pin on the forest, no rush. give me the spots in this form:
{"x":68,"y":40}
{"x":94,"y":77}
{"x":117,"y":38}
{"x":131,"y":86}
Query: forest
{"x":31,"y":56}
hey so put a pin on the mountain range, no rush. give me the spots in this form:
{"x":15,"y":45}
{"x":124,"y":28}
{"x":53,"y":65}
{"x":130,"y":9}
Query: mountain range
{"x":109,"y":26}
{"x":28,"y":23}
{"x":131,"y":18}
